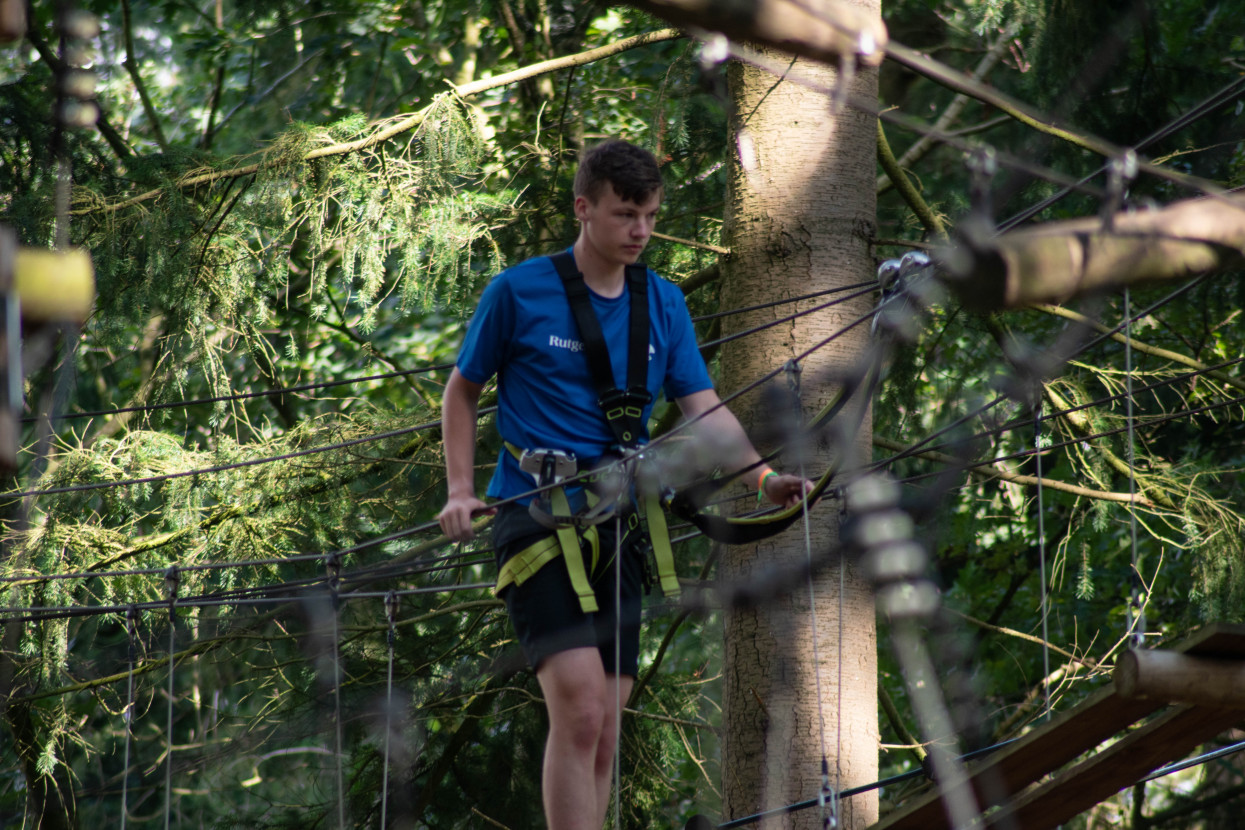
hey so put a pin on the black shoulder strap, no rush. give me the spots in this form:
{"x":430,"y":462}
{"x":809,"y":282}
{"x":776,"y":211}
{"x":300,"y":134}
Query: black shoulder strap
{"x":623,"y":409}
{"x":637,"y":343}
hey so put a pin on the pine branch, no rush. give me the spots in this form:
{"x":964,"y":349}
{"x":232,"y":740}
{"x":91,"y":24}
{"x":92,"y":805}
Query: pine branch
{"x":1186,"y":806}
{"x":1057,"y":261}
{"x":1148,"y":495}
{"x":57,"y":66}
{"x":1020,"y":635}
{"x":692,"y":243}
{"x":952,"y":79}
{"x":985,"y":469}
{"x":928,"y":217}
{"x":221,"y":515}
{"x":700,"y":279}
{"x":1144,"y":348}
{"x":466,"y":731}
{"x":957,"y":81}
{"x":402,"y":125}
{"x":901,"y":729}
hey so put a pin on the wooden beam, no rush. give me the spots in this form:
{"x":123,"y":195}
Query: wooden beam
{"x":1120,"y":765}
{"x":1066,"y":737}
{"x":1056,"y":261}
{"x":822,"y":30}
{"x":12,"y":20}
{"x":1168,"y":677}
{"x":996,"y":778}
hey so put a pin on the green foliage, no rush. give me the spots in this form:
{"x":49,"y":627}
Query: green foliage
{"x":308,"y":250}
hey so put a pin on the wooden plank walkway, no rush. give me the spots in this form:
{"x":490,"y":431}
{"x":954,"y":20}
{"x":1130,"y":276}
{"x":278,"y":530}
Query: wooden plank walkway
{"x":1009,"y":778}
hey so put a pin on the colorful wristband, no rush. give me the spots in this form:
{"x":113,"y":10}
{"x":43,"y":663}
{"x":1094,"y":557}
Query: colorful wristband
{"x":761,"y":483}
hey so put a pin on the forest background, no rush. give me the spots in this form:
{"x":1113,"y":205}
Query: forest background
{"x":291,"y":209}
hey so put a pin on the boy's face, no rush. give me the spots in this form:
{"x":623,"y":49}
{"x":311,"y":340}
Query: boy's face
{"x":617,"y":229}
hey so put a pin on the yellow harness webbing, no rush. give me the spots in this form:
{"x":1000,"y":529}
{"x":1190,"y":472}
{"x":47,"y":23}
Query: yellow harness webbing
{"x":524,"y":564}
{"x":659,"y":536}
{"x":565,"y":543}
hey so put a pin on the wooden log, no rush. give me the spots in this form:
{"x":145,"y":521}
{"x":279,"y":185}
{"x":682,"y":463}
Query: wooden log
{"x":1180,"y":678}
{"x":1056,"y":261}
{"x":823,"y":30}
{"x":12,"y":20}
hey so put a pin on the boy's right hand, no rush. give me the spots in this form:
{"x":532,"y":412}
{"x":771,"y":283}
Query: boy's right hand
{"x":455,"y":517}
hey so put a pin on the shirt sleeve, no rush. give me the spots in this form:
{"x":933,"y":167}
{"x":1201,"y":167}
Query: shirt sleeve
{"x":686,"y":371}
{"x":489,"y":333}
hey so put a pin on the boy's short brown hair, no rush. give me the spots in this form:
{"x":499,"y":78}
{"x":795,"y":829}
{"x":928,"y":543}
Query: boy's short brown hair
{"x":631,"y":170}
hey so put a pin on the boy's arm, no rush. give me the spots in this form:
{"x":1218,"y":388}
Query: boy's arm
{"x":458,"y":431}
{"x":726,"y":431}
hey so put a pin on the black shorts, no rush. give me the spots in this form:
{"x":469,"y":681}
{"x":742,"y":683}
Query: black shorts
{"x":545,"y":609}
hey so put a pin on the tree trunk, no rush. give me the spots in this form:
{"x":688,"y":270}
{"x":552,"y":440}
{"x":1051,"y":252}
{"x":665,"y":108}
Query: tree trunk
{"x":800,"y":213}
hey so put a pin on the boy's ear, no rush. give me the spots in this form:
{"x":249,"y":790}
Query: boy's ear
{"x":581,"y":208}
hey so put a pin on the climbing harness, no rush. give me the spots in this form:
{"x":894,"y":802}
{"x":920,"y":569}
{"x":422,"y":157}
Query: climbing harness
{"x":608,"y":483}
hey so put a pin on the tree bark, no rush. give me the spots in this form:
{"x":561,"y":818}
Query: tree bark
{"x":800,"y":213}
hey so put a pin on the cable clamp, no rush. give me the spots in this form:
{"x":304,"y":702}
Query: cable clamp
{"x":792,"y":370}
{"x":828,"y":800}
{"x":333,"y":571}
{"x":1120,"y":173}
{"x":172,"y":580}
{"x":391,"y":612}
{"x":131,"y":625}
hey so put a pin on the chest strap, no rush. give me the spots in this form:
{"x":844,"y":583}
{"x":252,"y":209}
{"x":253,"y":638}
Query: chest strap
{"x":623,"y":408}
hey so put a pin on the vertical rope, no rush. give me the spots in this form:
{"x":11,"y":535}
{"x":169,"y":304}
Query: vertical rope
{"x":617,"y":671}
{"x":827,"y":796}
{"x":1041,"y":521}
{"x":332,"y":565}
{"x":60,"y":144}
{"x":1136,"y":604}
{"x":128,"y":714}
{"x":172,"y":578}
{"x":391,"y":612}
{"x":832,"y":821}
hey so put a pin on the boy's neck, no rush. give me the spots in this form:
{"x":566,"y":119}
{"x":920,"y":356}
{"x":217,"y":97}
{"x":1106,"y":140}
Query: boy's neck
{"x":605,"y":278}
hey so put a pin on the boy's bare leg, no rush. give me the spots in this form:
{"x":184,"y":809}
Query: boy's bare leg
{"x":579,"y":753}
{"x":616,"y":695}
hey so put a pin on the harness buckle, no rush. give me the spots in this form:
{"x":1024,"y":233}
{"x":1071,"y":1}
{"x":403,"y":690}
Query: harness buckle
{"x":548,"y":466}
{"x":629,"y":402}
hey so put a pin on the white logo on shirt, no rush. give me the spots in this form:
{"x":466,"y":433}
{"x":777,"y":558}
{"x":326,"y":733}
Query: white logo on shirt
{"x":577,"y":346}
{"x":565,"y":343}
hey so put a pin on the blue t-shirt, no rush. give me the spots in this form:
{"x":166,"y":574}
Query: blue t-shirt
{"x":524,"y":332}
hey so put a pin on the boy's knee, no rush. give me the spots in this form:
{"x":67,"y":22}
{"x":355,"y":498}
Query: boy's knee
{"x":583,"y":719}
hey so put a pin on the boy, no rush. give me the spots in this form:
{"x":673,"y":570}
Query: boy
{"x":527,"y":333}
